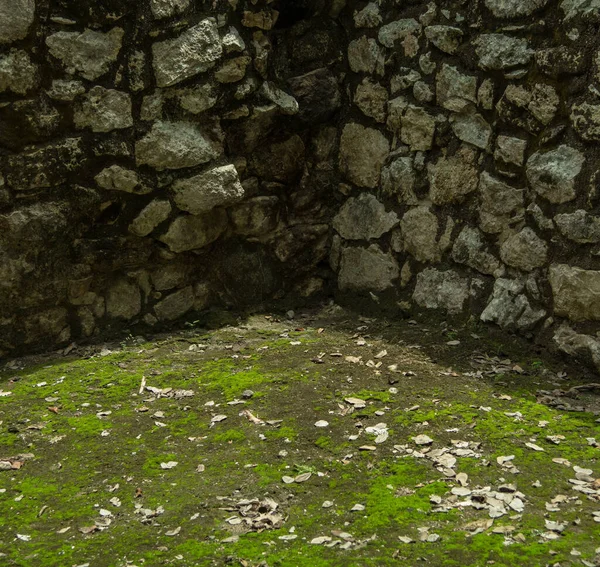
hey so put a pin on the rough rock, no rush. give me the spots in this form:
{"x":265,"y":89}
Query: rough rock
{"x":365,"y":56}
{"x":470,"y":249}
{"x":256,"y":217}
{"x":445,"y":38}
{"x":552,"y":174}
{"x":16,"y":17}
{"x":580,"y":226}
{"x":193,"y":232}
{"x":372,"y":99}
{"x":509,"y":307}
{"x":420,"y":234}
{"x":398,"y":180}
{"x":168,"y":8}
{"x":198,"y":99}
{"x":363,"y":152}
{"x":217,"y":187}
{"x":175,"y":305}
{"x":585,"y":8}
{"x":117,"y":178}
{"x":398,"y":30}
{"x":364,"y":218}
{"x":90,"y":54}
{"x":524,"y":250}
{"x":586,"y":121}
{"x":510,"y":150}
{"x":367,"y":269}
{"x":123,"y":300}
{"x":455,"y":90}
{"x":452,"y":178}
{"x":418,"y":128}
{"x":576,"y":344}
{"x":498,"y":51}
{"x":441,"y":290}
{"x":514,"y":8}
{"x":155,"y":213}
{"x":501,"y":204}
{"x":176,"y":145}
{"x":576,"y":292}
{"x":195,"y":51}
{"x":17,"y":73}
{"x":103,"y":110}
{"x":469,"y":126}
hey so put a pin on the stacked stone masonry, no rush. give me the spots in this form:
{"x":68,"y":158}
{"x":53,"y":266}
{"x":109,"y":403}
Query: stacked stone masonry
{"x":162,"y":157}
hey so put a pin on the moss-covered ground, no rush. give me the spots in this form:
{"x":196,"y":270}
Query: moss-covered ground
{"x":93,"y":480}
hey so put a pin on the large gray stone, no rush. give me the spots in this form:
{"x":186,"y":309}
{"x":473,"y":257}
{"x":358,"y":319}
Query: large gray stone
{"x":574,"y":8}
{"x":365,"y":56}
{"x":372,"y":99}
{"x":176,"y":145}
{"x":363,"y":152}
{"x":509,"y":307}
{"x":420,"y":234}
{"x":17,"y":73}
{"x":524,"y":250}
{"x":123,"y":300}
{"x":195,"y":51}
{"x":455,"y":90}
{"x":397,"y":31}
{"x":16,"y":17}
{"x":418,"y":128}
{"x":445,"y":38}
{"x":452,"y":178}
{"x":150,"y":217}
{"x":364,"y":218}
{"x":497,"y":51}
{"x":514,"y":8}
{"x":441,"y":290}
{"x":586,"y":121}
{"x":576,"y":344}
{"x":193,"y":232}
{"x":469,"y":126}
{"x":501,"y":204}
{"x":470,"y":249}
{"x":576,"y":292}
{"x":103,"y":110}
{"x":580,"y":226}
{"x":90,"y":54}
{"x":117,"y":178}
{"x":217,"y":187}
{"x":552,"y":174}
{"x":398,"y":180}
{"x":168,"y":8}
{"x":175,"y":305}
{"x":368,"y":269}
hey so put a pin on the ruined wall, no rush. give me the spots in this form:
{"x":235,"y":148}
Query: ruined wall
{"x":162,"y":156}
{"x":151,"y":166}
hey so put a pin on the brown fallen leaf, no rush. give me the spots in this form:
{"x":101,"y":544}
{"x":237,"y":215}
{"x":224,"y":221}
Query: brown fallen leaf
{"x":88,"y":529}
{"x":138,"y":493}
{"x":54,"y":409}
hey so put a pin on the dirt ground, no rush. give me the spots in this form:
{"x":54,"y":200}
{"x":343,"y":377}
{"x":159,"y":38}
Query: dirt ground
{"x":319,"y":439}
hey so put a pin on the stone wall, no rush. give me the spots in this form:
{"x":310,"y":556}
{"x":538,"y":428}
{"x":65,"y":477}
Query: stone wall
{"x":160,"y":157}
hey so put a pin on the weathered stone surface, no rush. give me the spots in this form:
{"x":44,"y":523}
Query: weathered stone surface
{"x":16,"y":17}
{"x":580,"y":226}
{"x":514,"y":8}
{"x":17,"y":73}
{"x":175,"y":305}
{"x":285,"y":102}
{"x":367,"y":269}
{"x":89,"y":54}
{"x":574,"y":8}
{"x":195,"y":51}
{"x":397,"y":31}
{"x":364,"y":218}
{"x":441,"y":290}
{"x":363,"y":152}
{"x":372,"y":99}
{"x":501,"y":204}
{"x":469,"y":126}
{"x":150,"y":217}
{"x":123,"y":300}
{"x":168,"y":8}
{"x":498,"y":51}
{"x":104,"y":110}
{"x":365,"y":56}
{"x":510,"y":150}
{"x":117,"y":178}
{"x":576,"y":292}
{"x":193,"y":232}
{"x":509,"y":307}
{"x":418,"y":128}
{"x":48,"y":324}
{"x":368,"y":17}
{"x":452,"y":178}
{"x":234,"y":70}
{"x":175,"y":145}
{"x":398,"y":180}
{"x":586,"y":121}
{"x":470,"y":249}
{"x":552,"y":174}
{"x":455,"y":90}
{"x":576,"y":344}
{"x":65,"y":90}
{"x":524,"y":250}
{"x":198,"y":99}
{"x":420,"y":234}
{"x":445,"y":38}
{"x":217,"y":187}
{"x":256,"y":217}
